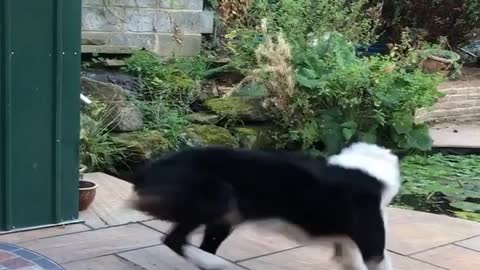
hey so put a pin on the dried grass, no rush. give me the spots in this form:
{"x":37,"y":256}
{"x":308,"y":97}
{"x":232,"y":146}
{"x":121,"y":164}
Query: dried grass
{"x":274,"y":71}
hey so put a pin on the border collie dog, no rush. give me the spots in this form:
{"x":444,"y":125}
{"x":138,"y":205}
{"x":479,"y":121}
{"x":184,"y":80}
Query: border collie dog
{"x":342,"y":197}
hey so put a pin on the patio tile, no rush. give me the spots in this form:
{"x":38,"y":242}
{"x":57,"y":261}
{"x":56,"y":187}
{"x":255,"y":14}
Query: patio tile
{"x":161,"y":257}
{"x":112,"y":202}
{"x":24,"y":236}
{"x":159,"y":225}
{"x":305,"y":258}
{"x":247,"y":242}
{"x":73,"y":247}
{"x":319,"y":258}
{"x":110,"y":262}
{"x":451,"y":257}
{"x":411,"y":232}
{"x":473,"y":243}
{"x":400,"y":262}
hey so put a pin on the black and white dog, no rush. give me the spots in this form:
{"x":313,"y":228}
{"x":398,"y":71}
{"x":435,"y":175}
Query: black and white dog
{"x":343,"y":197}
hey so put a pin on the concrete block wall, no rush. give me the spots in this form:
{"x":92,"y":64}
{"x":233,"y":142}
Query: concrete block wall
{"x":461,"y":104}
{"x":167,"y":27}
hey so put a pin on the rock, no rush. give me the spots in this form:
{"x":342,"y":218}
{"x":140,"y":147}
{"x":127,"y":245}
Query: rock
{"x":113,"y":63}
{"x":203,"y":118}
{"x":250,"y":90}
{"x":128,"y":118}
{"x":253,"y":137}
{"x":248,"y":109}
{"x":119,"y":113}
{"x":132,"y":85}
{"x":209,"y":135}
{"x":141,"y":145}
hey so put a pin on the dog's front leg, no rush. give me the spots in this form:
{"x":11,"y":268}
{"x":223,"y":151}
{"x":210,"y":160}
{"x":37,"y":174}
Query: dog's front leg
{"x":203,"y":259}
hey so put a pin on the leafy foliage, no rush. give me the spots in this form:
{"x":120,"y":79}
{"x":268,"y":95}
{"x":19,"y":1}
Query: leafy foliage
{"x":161,"y":118}
{"x":340,"y":97}
{"x":454,"y":180}
{"x":176,"y":82}
{"x":97,"y":150}
{"x":300,"y":21}
{"x":455,"y":19}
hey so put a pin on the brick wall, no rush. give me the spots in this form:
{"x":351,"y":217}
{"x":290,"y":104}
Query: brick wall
{"x":461,"y":104}
{"x":167,"y":27}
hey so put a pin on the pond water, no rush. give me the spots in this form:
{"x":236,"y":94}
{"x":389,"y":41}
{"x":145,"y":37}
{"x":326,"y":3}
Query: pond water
{"x":441,"y":184}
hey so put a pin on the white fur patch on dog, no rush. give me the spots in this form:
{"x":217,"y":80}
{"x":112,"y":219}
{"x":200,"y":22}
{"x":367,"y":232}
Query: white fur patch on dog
{"x":204,"y":259}
{"x":385,"y":264}
{"x":351,"y":258}
{"x":375,"y":161}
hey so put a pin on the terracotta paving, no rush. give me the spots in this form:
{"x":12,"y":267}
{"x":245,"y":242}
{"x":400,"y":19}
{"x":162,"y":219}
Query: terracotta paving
{"x":115,"y":238}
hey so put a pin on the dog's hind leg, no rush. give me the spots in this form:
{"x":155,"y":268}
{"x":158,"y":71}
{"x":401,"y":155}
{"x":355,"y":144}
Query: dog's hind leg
{"x":214,"y":236}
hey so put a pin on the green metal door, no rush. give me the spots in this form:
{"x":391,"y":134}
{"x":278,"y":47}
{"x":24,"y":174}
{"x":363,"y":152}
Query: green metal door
{"x":39,"y":112}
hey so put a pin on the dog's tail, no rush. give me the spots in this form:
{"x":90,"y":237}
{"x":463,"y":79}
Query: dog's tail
{"x":375,"y":161}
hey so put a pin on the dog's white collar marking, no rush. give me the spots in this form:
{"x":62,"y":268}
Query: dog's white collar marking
{"x":375,"y":161}
{"x":204,"y":259}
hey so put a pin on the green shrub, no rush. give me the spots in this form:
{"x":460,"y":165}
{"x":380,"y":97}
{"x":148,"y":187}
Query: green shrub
{"x":300,"y":18}
{"x":455,"y":19}
{"x":170,"y":122}
{"x":97,"y":150}
{"x":176,"y":82}
{"x":340,"y":97}
{"x":300,"y":21}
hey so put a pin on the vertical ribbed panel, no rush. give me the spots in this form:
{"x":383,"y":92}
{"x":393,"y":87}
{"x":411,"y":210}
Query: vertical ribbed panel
{"x":39,"y":112}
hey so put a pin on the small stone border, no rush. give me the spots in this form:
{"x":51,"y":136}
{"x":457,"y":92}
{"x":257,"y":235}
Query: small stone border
{"x":16,"y":257}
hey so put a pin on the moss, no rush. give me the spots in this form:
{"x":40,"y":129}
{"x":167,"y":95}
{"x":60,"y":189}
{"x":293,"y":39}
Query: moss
{"x":142,"y":144}
{"x":239,"y":108}
{"x":203,"y":135}
{"x":253,"y":137}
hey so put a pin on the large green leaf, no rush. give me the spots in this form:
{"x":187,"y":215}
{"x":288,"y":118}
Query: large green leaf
{"x":402,"y":122}
{"x":306,"y":82}
{"x":331,"y":130}
{"x":467,"y":206}
{"x":419,"y":138}
{"x":369,"y":137}
{"x":349,"y":129}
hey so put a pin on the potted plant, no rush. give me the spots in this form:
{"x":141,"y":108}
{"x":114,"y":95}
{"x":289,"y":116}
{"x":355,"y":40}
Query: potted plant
{"x":87,"y":190}
{"x":438,"y":60}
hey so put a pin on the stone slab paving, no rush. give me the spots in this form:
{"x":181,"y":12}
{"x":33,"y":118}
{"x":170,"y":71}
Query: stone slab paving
{"x":466,"y":135}
{"x":416,"y":240}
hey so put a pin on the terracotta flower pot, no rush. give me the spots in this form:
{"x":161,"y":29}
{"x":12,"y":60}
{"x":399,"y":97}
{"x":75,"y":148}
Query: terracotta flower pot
{"x":87,"y":192}
{"x":439,"y":60}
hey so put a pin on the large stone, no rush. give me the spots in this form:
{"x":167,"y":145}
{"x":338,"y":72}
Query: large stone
{"x":120,"y":114}
{"x":253,"y":137}
{"x":141,"y":145}
{"x":203,"y":118}
{"x":248,"y":109}
{"x":209,"y":135}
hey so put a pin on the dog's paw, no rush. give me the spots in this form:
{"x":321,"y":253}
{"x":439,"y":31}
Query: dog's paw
{"x":204,"y":260}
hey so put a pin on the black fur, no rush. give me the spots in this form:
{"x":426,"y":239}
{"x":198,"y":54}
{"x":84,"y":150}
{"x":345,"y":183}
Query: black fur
{"x":206,"y":186}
